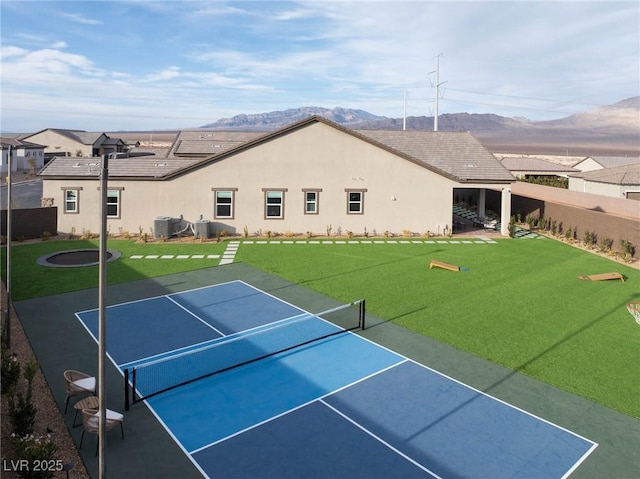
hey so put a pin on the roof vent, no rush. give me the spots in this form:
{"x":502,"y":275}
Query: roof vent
{"x":160,"y":165}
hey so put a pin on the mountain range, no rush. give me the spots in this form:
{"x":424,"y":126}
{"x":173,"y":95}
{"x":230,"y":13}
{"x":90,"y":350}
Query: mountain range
{"x":607,"y":130}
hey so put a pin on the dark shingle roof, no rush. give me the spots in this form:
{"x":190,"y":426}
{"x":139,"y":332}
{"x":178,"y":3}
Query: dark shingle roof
{"x":458,"y":156}
{"x":15,"y":142}
{"x":135,"y":167}
{"x":535,"y":165}
{"x":208,"y":143}
{"x":626,"y":175}
{"x":613,"y":161}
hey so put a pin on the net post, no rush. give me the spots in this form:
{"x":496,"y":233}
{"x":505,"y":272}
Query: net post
{"x":133,"y":385}
{"x":126,"y":389}
{"x":362,"y":314}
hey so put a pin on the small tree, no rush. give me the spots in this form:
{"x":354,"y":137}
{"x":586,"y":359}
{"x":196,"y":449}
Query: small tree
{"x":22,"y":411}
{"x":512,"y":227}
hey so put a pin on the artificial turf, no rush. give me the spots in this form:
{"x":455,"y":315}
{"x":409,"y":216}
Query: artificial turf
{"x":29,"y":280}
{"x":519,"y":305}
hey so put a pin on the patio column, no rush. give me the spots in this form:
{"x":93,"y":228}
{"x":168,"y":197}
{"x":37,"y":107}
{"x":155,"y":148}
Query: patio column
{"x":482,"y":203}
{"x":505,"y":211}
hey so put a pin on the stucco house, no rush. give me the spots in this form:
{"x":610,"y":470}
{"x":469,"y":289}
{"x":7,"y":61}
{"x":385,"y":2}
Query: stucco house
{"x":591,"y":163}
{"x":616,"y":182}
{"x":78,"y":143}
{"x":25,"y":155}
{"x":308,"y":177}
{"x":523,"y":167}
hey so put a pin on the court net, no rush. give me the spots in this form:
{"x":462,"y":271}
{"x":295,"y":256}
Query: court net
{"x":155,"y":377}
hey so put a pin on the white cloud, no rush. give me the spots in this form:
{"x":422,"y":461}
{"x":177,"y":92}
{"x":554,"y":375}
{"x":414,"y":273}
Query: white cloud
{"x":79,"y":18}
{"x":167,"y":74}
{"x":213,"y":59}
{"x":10,"y":51}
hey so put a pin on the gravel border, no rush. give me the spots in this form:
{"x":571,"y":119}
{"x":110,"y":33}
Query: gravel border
{"x":49,"y":418}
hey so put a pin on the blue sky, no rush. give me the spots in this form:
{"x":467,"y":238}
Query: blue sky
{"x":110,"y":65}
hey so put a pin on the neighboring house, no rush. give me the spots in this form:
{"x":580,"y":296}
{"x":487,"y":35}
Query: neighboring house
{"x":591,"y":163}
{"x":310,"y":177}
{"x":25,"y":155}
{"x":523,"y":167}
{"x":77,"y":143}
{"x":616,"y":182}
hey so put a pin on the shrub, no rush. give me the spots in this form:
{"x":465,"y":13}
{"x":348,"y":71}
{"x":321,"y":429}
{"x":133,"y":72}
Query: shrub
{"x":569,"y":233}
{"x":512,"y":227}
{"x":542,"y":223}
{"x":22,"y":411}
{"x":605,"y":244}
{"x":10,"y":370}
{"x":628,"y":250}
{"x":590,"y":238}
{"x":37,"y":450}
{"x":530,"y":220}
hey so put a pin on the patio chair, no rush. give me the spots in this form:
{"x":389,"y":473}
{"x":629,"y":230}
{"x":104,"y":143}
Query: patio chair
{"x":91,"y":419}
{"x":77,"y":383}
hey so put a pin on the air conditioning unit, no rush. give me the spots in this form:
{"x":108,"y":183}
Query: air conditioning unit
{"x":162,"y":227}
{"x":202,"y":229}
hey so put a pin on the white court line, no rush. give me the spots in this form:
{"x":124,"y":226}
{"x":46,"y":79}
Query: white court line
{"x":380,"y":440}
{"x":196,"y":316}
{"x":300,"y":406}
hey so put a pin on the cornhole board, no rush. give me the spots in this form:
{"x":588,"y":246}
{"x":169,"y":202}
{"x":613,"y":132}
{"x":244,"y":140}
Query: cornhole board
{"x":602,"y":277}
{"x":440,"y":264}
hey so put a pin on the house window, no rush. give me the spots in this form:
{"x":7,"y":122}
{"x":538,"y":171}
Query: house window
{"x":113,"y":203}
{"x":274,"y":203}
{"x":355,"y":202}
{"x":71,"y":201}
{"x":224,"y":203}
{"x":311,"y":198}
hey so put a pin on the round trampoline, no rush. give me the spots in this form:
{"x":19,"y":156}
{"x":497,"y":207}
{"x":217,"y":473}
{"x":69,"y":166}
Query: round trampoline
{"x":75,"y":258}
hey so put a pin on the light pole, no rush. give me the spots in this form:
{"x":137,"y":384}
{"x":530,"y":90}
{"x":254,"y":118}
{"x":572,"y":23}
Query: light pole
{"x":7,"y":324}
{"x":102,"y":317}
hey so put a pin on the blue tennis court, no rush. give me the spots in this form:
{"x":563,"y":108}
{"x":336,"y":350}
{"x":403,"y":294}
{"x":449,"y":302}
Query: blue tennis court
{"x":336,"y":407}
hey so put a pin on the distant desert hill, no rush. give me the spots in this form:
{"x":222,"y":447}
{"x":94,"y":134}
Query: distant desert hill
{"x":608,"y":130}
{"x":612,"y":130}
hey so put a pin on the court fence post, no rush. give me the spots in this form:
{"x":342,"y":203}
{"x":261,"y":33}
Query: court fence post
{"x":126,"y":389}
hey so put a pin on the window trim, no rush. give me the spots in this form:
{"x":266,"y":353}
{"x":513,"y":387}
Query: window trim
{"x":217,"y":190}
{"x":266,"y":192}
{"x":65,"y":189}
{"x":362,"y":191}
{"x":118,"y":204}
{"x":119,"y":189}
{"x":317,"y":191}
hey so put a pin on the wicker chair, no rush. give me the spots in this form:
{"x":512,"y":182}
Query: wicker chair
{"x":91,"y":419}
{"x":77,"y":383}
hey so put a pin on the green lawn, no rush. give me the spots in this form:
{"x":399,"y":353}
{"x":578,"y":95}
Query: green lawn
{"x":31,"y":280}
{"x":520,"y":304}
